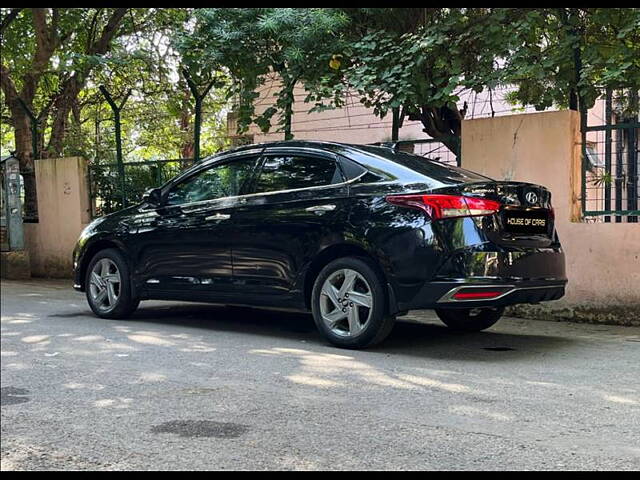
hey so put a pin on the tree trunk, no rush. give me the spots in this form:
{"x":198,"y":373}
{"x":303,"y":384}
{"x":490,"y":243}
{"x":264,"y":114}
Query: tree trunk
{"x":288,"y":109}
{"x":24,"y":147}
{"x":24,"y":153}
{"x":441,"y":123}
{"x":186,"y":150}
{"x":61,"y":110}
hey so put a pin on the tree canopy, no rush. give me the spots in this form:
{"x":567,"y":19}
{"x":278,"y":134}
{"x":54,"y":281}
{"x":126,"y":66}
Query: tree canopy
{"x":418,"y":60}
{"x":54,"y":60}
{"x":252,"y":43}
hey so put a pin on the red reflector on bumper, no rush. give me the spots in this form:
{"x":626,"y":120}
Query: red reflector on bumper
{"x":476,"y":295}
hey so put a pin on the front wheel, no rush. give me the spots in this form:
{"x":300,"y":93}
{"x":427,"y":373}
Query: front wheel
{"x":469,"y":319}
{"x":349,"y":304}
{"x":108,"y":285}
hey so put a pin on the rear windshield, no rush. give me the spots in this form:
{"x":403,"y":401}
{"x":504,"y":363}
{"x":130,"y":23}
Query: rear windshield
{"x":432,"y":169}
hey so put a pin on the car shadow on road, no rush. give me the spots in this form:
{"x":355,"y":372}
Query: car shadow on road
{"x":429,"y":340}
{"x":439,"y":342}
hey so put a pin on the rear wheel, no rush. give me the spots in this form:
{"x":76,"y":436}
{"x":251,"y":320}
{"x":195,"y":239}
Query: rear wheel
{"x":108,"y":285}
{"x":349,"y":304}
{"x":469,"y":319}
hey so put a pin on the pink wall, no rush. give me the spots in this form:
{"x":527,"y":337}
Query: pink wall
{"x":356,"y":124}
{"x":603,"y":259}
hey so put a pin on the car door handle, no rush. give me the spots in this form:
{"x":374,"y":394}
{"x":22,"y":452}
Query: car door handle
{"x":169,"y":221}
{"x":321,"y":208}
{"x":218,"y":217}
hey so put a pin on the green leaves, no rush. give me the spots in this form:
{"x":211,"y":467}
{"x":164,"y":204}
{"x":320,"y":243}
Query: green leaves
{"x":543,"y":65}
{"x":296,"y":44}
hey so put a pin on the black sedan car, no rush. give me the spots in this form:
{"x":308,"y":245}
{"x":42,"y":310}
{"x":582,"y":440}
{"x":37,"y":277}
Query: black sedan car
{"x":356,"y":234}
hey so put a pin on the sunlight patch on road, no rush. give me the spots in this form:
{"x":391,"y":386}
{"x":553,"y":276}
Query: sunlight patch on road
{"x":108,"y":347}
{"x":322,"y":369}
{"x":477,"y":412}
{"x":84,"y":386}
{"x":150,"y":340}
{"x":313,"y":381}
{"x":543,"y":384}
{"x":15,"y":321}
{"x":198,"y":349}
{"x":151,"y":377}
{"x":113,"y":402}
{"x":36,"y":339}
{"x":89,"y":338}
{"x":428,"y":382}
{"x":623,"y":400}
{"x":16,"y":366}
{"x":183,"y":336}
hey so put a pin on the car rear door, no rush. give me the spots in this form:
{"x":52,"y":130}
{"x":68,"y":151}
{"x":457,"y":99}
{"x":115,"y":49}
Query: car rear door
{"x":299,"y":203}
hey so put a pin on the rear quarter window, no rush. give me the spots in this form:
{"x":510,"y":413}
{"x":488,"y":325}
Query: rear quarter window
{"x":440,"y":172}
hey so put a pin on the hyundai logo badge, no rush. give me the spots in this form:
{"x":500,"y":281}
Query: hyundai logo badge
{"x":531,"y":197}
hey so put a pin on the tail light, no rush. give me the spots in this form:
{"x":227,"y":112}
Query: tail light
{"x":446,"y":206}
{"x":476,"y":293}
{"x":485,"y":295}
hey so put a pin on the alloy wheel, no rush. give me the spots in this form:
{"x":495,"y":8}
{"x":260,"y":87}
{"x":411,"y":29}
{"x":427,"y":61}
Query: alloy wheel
{"x":104,"y":285}
{"x":346,"y":302}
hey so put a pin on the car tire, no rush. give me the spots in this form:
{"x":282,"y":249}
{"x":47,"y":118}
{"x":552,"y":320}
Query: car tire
{"x":360,"y":311}
{"x":108,"y":285}
{"x":469,"y":319}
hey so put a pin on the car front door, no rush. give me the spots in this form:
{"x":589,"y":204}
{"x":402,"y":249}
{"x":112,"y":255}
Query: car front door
{"x":298,"y":203}
{"x":184,"y":246}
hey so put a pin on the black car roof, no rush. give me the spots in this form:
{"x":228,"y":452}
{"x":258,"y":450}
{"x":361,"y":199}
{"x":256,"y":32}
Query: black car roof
{"x":314,"y":144}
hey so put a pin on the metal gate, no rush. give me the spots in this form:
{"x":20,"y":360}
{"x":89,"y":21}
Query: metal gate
{"x":105,"y":182}
{"x":610,"y":172}
{"x":431,"y":148}
{"x":11,"y":230}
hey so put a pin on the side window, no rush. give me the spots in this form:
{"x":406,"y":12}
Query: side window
{"x":288,"y":172}
{"x":219,"y":181}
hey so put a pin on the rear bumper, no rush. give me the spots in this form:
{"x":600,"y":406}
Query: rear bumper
{"x":441,"y":294}
{"x":513,"y":277}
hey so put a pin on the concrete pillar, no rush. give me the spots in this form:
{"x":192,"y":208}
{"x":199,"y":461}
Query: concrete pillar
{"x":63,"y":206}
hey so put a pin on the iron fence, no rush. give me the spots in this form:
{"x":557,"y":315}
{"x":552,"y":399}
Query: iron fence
{"x":105,"y":185}
{"x":610,"y":172}
{"x":434,"y":149}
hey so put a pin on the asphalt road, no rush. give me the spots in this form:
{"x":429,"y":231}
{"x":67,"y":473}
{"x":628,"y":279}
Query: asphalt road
{"x":193,"y":386}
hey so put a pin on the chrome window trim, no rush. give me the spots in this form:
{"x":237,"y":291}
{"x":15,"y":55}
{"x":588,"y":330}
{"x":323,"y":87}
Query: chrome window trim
{"x":225,"y":156}
{"x":293,"y":150}
{"x":248,"y":195}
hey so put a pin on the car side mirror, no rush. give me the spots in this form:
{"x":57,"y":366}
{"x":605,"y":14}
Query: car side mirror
{"x":153,"y":197}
